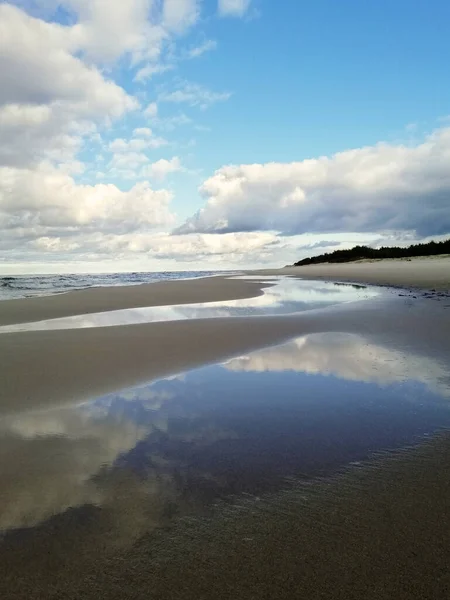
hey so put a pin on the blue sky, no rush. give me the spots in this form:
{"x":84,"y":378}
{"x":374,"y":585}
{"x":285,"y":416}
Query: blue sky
{"x":191,"y":134}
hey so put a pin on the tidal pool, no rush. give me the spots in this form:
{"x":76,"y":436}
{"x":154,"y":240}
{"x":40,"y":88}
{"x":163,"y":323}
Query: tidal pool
{"x":285,"y":296}
{"x":133,"y":460}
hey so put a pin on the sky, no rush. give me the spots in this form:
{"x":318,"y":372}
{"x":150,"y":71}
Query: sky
{"x":153,"y":135}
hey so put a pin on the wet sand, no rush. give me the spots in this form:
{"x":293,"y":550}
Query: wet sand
{"x":43,"y":368}
{"x":100,"y":299}
{"x":425,"y":274}
{"x":378,"y":532}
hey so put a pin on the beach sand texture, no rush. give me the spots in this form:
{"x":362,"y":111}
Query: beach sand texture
{"x":423,"y":273}
{"x":379,"y":531}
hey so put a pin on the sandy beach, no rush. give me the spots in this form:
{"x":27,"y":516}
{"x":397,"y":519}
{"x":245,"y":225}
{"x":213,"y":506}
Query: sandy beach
{"x":418,"y":273}
{"x":99,"y":299}
{"x":44,"y":369}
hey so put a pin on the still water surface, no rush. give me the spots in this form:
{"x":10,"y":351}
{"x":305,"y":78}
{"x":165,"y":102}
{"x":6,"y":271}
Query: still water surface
{"x":285,"y":296}
{"x":131,"y":461}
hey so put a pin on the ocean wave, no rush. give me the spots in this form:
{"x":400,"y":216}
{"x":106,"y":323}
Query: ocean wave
{"x":25,"y":286}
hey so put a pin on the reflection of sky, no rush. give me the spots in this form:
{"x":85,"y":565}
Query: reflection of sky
{"x":303,"y":408}
{"x":349,"y":357}
{"x":285,"y":296}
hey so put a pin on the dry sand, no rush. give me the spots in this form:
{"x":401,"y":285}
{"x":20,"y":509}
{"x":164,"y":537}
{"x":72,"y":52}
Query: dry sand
{"x":424,"y":273}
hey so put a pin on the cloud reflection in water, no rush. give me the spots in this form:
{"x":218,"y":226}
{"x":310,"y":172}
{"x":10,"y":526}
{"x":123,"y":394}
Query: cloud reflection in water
{"x":306,"y":407}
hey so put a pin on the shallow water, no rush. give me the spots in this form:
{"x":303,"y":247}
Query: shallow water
{"x":285,"y":296}
{"x":117,"y":467}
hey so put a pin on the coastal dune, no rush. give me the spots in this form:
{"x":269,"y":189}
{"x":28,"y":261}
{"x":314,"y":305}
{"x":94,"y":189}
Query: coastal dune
{"x":422,"y":273}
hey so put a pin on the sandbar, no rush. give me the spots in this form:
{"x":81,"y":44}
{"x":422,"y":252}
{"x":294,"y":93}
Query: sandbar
{"x":101,"y":299}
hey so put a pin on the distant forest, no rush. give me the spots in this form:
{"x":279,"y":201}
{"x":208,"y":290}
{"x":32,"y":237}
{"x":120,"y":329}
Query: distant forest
{"x":360,"y":252}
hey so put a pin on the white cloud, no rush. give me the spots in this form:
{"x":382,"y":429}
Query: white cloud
{"x":144,"y":132}
{"x":106,"y":30}
{"x":48,"y":96}
{"x":178,"y":15}
{"x":377,"y":188}
{"x":38,"y":68}
{"x":144,"y":140}
{"x":137,"y":247}
{"x":128,"y":160}
{"x":233,"y":8}
{"x":197,"y":51}
{"x":150,"y":70}
{"x":161,"y":168}
{"x":121,"y":145}
{"x":57,"y":98}
{"x":194,"y":95}
{"x":151,"y":110}
{"x":230,"y":247}
{"x":47,"y":201}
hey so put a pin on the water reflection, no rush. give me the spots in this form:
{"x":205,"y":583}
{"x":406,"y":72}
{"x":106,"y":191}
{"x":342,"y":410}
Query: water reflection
{"x":173,"y":447}
{"x":347,"y":356}
{"x":287,"y":295}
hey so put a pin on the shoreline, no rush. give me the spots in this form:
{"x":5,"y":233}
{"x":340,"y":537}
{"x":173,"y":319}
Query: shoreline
{"x":47,"y":367}
{"x":61,"y":368}
{"x":432,"y":275}
{"x":103,"y":299}
{"x":39,"y":369}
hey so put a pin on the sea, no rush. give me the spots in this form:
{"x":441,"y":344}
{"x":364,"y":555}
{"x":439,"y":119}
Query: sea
{"x":25,"y":286}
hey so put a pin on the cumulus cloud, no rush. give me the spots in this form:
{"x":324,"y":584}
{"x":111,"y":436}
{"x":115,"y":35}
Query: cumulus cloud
{"x":143,"y":140}
{"x":129,"y":155}
{"x":129,"y":244}
{"x":233,"y":8}
{"x":121,"y":145}
{"x":161,"y":168}
{"x":376,"y":188}
{"x":178,"y":15}
{"x":144,"y":132}
{"x":230,"y":247}
{"x":48,"y":198}
{"x":49,"y":97}
{"x":151,"y":110}
{"x":128,"y":160}
{"x":58,"y":97}
{"x":38,"y":67}
{"x":106,"y":30}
